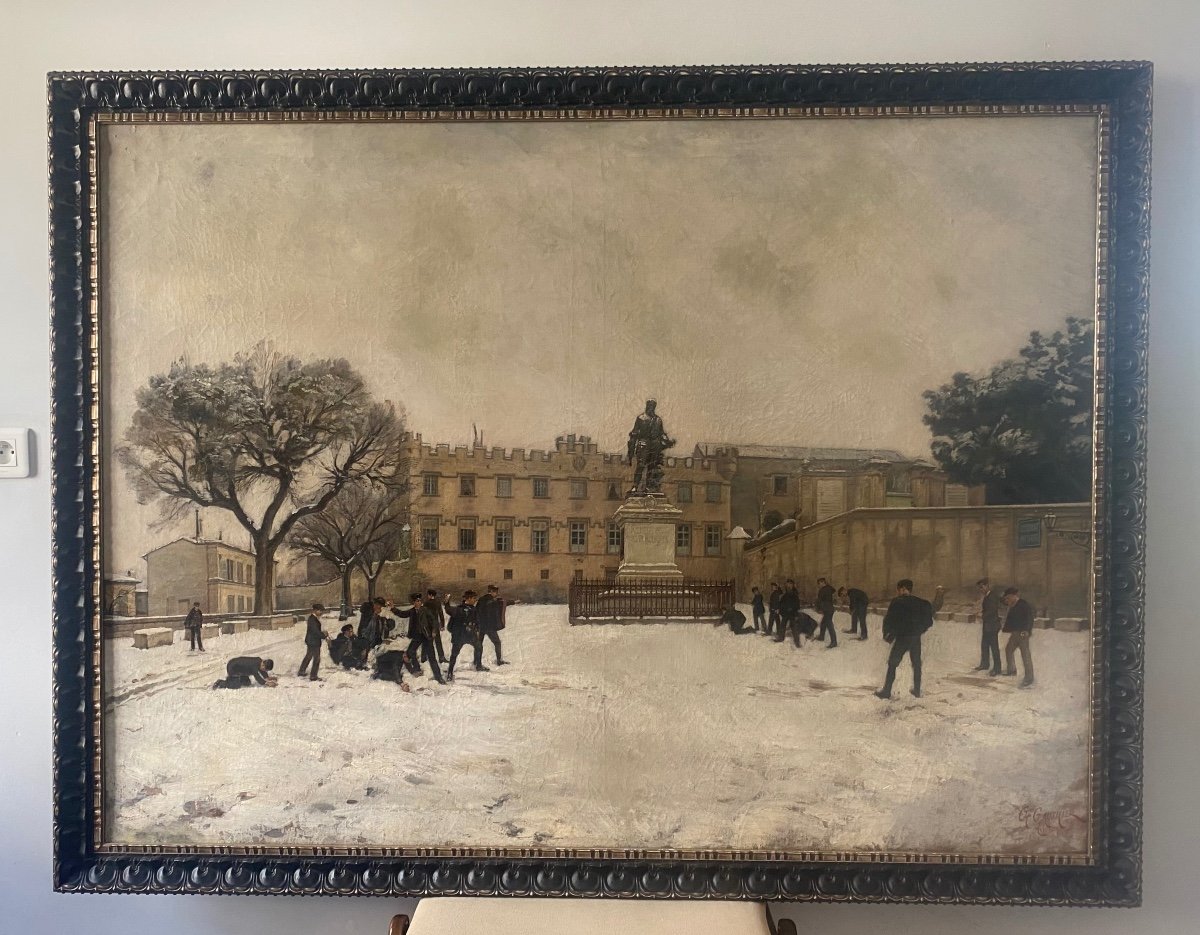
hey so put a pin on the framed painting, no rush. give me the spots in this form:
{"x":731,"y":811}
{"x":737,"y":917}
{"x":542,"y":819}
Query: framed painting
{"x":665,"y":482}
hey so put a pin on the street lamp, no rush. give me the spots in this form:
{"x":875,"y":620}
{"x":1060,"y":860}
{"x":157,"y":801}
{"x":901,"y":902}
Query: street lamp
{"x":1079,"y":537}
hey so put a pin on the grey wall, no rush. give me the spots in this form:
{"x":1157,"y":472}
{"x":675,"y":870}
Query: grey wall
{"x":302,"y":33}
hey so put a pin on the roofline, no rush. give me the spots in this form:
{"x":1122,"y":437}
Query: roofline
{"x":195,"y":541}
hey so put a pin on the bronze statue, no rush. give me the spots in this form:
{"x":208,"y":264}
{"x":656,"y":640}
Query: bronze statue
{"x":648,"y":440}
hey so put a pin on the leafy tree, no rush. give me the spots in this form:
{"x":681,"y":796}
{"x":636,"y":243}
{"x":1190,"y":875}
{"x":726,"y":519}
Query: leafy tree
{"x":360,"y":528}
{"x":1024,"y":429}
{"x":267,"y":437}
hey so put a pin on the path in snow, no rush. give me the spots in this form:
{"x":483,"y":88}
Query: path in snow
{"x":673,"y":735}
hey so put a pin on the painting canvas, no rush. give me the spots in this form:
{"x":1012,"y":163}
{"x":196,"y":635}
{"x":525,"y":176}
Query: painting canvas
{"x":682,"y":484}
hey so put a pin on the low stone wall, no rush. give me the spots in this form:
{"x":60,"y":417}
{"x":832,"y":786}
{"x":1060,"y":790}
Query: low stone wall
{"x":150,"y":637}
{"x":111,"y":627}
{"x":272,"y":622}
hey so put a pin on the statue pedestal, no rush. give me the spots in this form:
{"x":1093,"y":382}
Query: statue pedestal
{"x":647,"y":525}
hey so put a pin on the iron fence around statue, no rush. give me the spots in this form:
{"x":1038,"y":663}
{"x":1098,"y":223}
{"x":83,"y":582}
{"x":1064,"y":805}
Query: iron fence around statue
{"x":598,"y":601}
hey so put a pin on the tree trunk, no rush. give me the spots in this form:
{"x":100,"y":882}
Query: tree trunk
{"x":371,"y":586}
{"x":264,"y":577}
{"x":347,"y":572}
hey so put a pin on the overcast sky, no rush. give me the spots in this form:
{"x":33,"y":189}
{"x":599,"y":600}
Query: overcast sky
{"x":777,"y":281}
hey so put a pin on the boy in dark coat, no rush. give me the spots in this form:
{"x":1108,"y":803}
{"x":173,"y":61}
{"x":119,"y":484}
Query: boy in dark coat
{"x":389,"y":667}
{"x":314,"y":636}
{"x":490,"y":614}
{"x":736,"y":621}
{"x":789,"y":610}
{"x":991,"y":601}
{"x":773,"y":620}
{"x":193,"y":623}
{"x":346,"y":650}
{"x":464,"y":632}
{"x":758,"y":606}
{"x":825,"y":607}
{"x":1018,"y":624}
{"x":422,"y":625}
{"x":907,"y":619}
{"x":240,"y":669}
{"x":856,"y":602}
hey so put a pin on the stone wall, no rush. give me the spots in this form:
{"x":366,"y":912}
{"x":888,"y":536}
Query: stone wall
{"x":952,"y":546}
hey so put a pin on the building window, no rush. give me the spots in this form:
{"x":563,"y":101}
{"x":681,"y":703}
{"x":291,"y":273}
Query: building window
{"x":466,"y":485}
{"x":712,"y":493}
{"x":712,"y":539}
{"x":683,"y":493}
{"x":1029,"y":533}
{"x":781,"y":485}
{"x":578,"y":540}
{"x":539,"y":535}
{"x":614,"y":490}
{"x":578,"y":488}
{"x":504,"y":486}
{"x":541,"y":487}
{"x":466,"y":534}
{"x":227,"y":569}
{"x":241,"y":572}
{"x":229,"y":604}
{"x":545,"y":574}
{"x":504,"y":538}
{"x":429,"y":533}
{"x":470,"y":572}
{"x":683,"y":539}
{"x":614,"y":539}
{"x":241,"y":602}
{"x":249,"y":574}
{"x":578,"y":574}
{"x":508,"y":574}
{"x":430,"y":485}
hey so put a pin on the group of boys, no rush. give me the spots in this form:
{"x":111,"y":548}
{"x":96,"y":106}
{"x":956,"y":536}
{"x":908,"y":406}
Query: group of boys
{"x":907,"y":618}
{"x":471,"y":621}
{"x":788,"y":617}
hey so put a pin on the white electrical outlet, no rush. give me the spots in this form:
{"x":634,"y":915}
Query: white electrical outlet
{"x":14,"y":453}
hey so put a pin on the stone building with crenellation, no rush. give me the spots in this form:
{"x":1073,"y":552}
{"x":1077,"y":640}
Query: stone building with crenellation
{"x":530,"y":520}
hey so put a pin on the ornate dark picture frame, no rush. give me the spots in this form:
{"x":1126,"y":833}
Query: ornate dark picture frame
{"x":1120,"y":90}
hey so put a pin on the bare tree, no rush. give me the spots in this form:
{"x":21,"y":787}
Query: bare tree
{"x":360,"y":523}
{"x":267,"y":437}
{"x":379,"y":552}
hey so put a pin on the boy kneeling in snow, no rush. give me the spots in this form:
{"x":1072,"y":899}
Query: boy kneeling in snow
{"x":348,"y":650}
{"x":389,"y":667}
{"x":239,"y":670}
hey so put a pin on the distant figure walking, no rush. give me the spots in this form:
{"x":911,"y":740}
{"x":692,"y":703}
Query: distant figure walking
{"x":759,"y":608}
{"x":314,"y":636}
{"x":856,"y":602}
{"x":825,"y":607}
{"x":194,"y":623}
{"x":1018,"y":624}
{"x":907,"y":619}
{"x":990,"y":601}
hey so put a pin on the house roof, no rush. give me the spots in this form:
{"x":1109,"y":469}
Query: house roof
{"x":192,"y":540}
{"x":801,"y":452}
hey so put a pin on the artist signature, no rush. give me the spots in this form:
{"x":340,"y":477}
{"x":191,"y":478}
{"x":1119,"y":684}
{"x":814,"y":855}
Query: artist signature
{"x":1045,"y":822}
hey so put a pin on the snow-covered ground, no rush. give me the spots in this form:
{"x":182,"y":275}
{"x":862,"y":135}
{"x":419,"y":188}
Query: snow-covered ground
{"x":677,"y":735}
